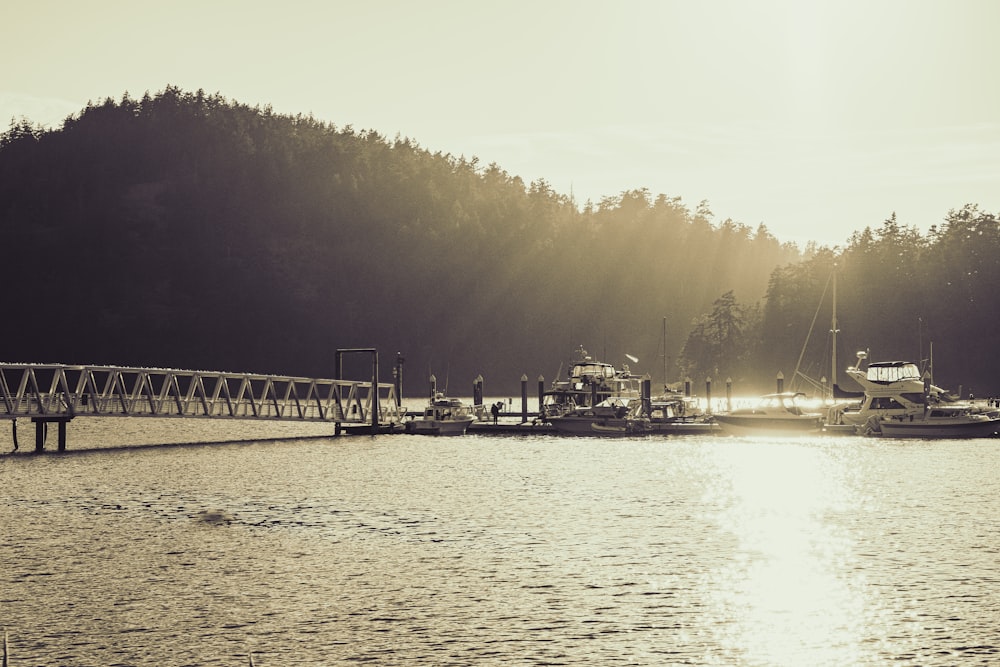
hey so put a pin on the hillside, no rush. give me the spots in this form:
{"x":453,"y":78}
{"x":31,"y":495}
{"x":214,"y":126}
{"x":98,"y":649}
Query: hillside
{"x":186,"y":230}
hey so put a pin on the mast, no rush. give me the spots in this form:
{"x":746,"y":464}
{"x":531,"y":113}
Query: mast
{"x":834,"y":330}
{"x":664,"y":354}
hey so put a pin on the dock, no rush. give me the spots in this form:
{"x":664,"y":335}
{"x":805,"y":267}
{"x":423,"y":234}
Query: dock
{"x":59,"y":393}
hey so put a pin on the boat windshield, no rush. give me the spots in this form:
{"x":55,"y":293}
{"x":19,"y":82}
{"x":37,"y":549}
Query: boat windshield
{"x":593,"y":370}
{"x":893,"y":372}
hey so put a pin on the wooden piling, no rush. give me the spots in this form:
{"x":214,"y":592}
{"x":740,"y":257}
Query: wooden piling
{"x":477,"y":391}
{"x":524,"y":398}
{"x":541,"y":395}
{"x":397,"y":375}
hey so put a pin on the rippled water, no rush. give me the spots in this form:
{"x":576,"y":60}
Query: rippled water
{"x":488,"y":550}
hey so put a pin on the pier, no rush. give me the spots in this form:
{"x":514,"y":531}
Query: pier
{"x":56,"y":394}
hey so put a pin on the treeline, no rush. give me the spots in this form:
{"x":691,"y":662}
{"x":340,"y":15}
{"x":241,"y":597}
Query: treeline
{"x":182,"y":229}
{"x":901,"y":295}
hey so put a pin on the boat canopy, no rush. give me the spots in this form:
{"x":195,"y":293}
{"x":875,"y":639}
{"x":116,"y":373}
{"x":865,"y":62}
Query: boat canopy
{"x":893,"y":371}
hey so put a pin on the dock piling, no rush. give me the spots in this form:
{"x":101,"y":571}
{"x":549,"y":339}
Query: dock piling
{"x":524,"y":398}
{"x":541,"y":395}
{"x":477,"y":391}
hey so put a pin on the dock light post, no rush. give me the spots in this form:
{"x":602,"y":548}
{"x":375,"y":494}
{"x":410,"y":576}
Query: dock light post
{"x":524,"y":398}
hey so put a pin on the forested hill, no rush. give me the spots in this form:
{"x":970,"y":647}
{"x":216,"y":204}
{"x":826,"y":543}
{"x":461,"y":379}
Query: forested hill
{"x":186,"y":230}
{"x":189,"y":231}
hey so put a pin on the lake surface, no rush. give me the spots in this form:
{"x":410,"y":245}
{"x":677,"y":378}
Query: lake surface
{"x":534,"y":550}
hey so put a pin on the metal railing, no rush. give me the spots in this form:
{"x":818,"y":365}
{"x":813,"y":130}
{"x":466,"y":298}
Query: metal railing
{"x":54,"y":390}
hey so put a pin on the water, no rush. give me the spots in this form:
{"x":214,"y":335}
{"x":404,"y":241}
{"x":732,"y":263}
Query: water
{"x":487,"y":550}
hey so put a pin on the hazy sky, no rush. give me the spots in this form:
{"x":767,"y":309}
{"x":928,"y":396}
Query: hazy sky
{"x":816,"y":118}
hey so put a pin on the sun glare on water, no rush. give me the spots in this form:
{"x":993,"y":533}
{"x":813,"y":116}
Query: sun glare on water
{"x":789,"y":595}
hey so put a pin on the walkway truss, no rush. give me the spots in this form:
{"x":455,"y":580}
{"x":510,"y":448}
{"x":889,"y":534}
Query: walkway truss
{"x":49,"y":392}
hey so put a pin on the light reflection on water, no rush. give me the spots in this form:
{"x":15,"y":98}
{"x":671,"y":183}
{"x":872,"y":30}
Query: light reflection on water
{"x":536,"y":550}
{"x":791,"y":592}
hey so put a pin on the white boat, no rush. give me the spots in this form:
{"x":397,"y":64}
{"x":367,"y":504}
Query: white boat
{"x":588,"y":383}
{"x":774,"y":414}
{"x":958,"y":420}
{"x":896,"y":393}
{"x":443,"y":416}
{"x":889,"y":389}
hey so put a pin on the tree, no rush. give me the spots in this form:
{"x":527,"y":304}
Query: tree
{"x":719,"y":341}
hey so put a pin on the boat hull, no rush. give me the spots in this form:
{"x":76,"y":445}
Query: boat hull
{"x":681,"y":427}
{"x":438,"y":427}
{"x":767,"y":425}
{"x":985,"y":428}
{"x":622,"y":427}
{"x":571,"y":425}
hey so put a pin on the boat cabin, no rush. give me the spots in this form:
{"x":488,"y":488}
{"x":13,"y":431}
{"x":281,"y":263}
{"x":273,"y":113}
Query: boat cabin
{"x":444,"y":409}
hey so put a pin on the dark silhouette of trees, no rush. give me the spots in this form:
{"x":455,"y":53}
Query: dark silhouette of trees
{"x":722,"y":342}
{"x":183,"y":229}
{"x":898,"y":292}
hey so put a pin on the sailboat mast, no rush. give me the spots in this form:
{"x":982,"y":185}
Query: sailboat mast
{"x":664,"y":353}
{"x":833,"y":329}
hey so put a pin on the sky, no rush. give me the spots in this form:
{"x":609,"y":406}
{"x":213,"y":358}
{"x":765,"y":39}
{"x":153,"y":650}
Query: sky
{"x":814,"y":118}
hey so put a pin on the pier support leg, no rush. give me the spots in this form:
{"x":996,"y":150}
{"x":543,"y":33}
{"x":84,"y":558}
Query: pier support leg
{"x":42,"y":431}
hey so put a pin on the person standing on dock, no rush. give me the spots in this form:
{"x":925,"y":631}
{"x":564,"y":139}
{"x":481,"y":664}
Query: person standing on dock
{"x":495,"y":411}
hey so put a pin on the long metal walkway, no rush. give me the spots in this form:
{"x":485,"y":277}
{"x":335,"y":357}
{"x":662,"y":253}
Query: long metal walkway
{"x":55,"y":393}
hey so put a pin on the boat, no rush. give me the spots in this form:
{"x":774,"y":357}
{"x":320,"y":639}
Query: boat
{"x":958,"y":420}
{"x":774,"y":414}
{"x":895,"y":392}
{"x":588,"y":383}
{"x":442,"y":416}
{"x":609,"y":417}
{"x":898,"y":400}
{"x":674,"y":414}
